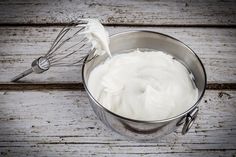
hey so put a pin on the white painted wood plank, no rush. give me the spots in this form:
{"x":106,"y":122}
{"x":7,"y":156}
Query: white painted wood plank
{"x":20,"y":45}
{"x":54,"y":123}
{"x":184,"y":12}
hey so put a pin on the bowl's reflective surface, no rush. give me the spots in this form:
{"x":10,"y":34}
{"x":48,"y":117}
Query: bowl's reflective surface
{"x":146,"y":130}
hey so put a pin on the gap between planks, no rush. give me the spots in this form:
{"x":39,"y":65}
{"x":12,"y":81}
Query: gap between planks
{"x":119,"y":25}
{"x":79,"y":86}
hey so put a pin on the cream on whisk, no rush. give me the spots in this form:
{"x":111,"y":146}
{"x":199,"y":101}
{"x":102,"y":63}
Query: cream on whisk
{"x":147,"y":85}
{"x":97,"y":36}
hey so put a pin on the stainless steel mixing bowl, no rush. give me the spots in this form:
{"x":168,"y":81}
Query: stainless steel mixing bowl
{"x":139,"y":129}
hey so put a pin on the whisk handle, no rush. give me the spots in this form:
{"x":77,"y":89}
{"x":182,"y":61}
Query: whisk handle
{"x":23,"y":74}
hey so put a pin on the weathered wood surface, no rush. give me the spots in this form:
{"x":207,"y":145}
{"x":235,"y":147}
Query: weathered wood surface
{"x":20,"y":45}
{"x":124,"y":12}
{"x":62,"y":123}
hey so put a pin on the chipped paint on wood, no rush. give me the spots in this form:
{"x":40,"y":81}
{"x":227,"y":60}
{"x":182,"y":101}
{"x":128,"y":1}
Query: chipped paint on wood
{"x":123,"y":12}
{"x":20,"y":45}
{"x":52,"y":122}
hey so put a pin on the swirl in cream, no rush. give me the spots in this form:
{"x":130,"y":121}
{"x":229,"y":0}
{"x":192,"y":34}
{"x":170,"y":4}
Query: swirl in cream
{"x":148,"y":85}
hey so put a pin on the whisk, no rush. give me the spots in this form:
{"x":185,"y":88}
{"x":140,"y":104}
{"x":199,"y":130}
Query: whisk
{"x":69,"y":41}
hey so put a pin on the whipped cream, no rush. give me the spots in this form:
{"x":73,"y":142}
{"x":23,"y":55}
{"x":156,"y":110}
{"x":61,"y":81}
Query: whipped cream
{"x":148,"y":85}
{"x":97,"y":36}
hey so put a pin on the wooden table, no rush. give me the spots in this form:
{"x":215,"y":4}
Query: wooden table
{"x":49,"y":114}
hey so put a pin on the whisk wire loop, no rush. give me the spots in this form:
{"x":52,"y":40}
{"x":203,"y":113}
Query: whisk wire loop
{"x":68,"y":41}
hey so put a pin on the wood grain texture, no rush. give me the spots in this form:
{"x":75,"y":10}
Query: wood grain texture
{"x":123,"y":12}
{"x":20,"y":45}
{"x":50,"y":115}
{"x":62,"y":123}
